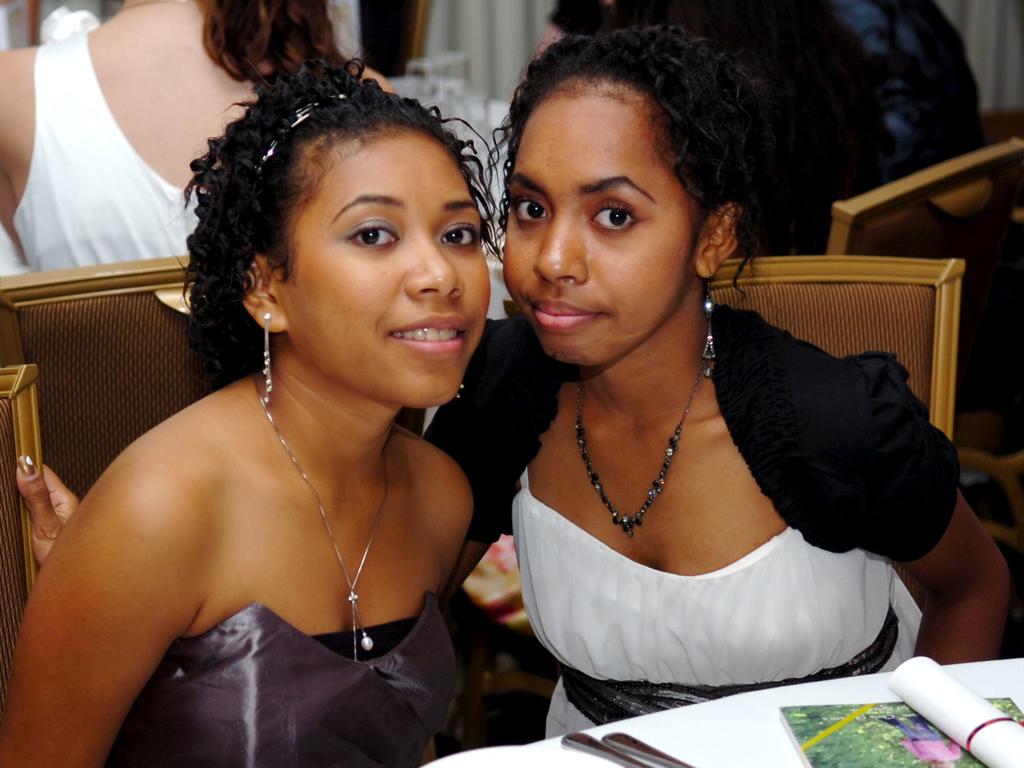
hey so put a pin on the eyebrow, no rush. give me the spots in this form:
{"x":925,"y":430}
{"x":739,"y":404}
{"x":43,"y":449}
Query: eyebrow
{"x":586,"y":189}
{"x":526,"y":181}
{"x":365,"y":199}
{"x":459,"y":205}
{"x":615,"y":181}
{"x":453,"y":205}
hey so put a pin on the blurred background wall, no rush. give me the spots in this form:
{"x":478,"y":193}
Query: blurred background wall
{"x":499,"y":35}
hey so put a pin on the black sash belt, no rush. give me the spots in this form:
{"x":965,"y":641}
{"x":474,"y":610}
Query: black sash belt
{"x":604,"y":701}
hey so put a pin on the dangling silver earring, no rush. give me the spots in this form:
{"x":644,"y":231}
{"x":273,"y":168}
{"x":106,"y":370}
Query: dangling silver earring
{"x":458,"y":394}
{"x":708,"y":355}
{"x":268,"y":381}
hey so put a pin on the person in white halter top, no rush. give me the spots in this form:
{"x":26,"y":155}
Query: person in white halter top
{"x":99,"y":130}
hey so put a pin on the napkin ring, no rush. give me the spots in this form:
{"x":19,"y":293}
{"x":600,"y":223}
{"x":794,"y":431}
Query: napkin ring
{"x":993,"y":721}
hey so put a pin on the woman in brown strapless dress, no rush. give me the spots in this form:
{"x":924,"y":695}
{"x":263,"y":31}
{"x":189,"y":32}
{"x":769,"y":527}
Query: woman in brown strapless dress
{"x":252,"y":582}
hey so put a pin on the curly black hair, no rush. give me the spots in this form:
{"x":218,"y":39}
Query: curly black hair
{"x":246,"y":201}
{"x":817,"y":87}
{"x":710,"y":120}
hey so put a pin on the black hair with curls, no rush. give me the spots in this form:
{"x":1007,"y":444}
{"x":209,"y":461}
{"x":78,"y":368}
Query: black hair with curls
{"x":817,"y":87}
{"x":709,"y":112}
{"x":246,"y":201}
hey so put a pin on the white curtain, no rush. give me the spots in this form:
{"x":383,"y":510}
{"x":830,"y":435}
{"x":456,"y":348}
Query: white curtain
{"x":993,"y":35}
{"x":499,"y":36}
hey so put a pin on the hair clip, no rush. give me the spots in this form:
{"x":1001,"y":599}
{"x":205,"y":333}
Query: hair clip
{"x":301,"y":115}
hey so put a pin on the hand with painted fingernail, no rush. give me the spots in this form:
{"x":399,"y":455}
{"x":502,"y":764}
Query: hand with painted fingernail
{"x":50,"y":504}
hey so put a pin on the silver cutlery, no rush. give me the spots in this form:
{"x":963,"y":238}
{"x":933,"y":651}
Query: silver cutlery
{"x":640,"y":749}
{"x":623,"y":749}
{"x":590,"y":745}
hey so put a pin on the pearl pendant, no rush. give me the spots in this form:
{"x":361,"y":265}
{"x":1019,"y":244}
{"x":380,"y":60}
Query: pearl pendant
{"x":366,"y":643}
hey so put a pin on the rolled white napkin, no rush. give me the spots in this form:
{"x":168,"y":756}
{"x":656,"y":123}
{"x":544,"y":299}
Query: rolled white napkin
{"x":960,"y":713}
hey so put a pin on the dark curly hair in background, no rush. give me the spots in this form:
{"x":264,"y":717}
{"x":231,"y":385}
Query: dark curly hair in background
{"x":818,"y":98}
{"x":710,"y":120}
{"x":245,"y":209}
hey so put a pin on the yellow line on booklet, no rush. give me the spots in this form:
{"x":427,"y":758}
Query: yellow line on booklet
{"x":835,"y":727}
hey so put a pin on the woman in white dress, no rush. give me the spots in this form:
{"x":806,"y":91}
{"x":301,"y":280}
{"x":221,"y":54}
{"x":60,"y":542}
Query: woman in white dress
{"x":708,"y":505}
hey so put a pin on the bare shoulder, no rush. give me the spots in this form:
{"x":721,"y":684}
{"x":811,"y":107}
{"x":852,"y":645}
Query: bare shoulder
{"x":16,"y":68}
{"x":441,"y":491}
{"x":128,"y":574}
{"x":158,"y":497}
{"x":17,"y":92}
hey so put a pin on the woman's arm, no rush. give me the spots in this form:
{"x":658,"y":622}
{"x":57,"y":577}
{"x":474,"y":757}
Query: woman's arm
{"x":17,"y":131}
{"x":968,"y":588}
{"x":123,"y":582}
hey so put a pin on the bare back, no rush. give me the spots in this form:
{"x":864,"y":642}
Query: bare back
{"x":165,"y":93}
{"x":163,"y":89}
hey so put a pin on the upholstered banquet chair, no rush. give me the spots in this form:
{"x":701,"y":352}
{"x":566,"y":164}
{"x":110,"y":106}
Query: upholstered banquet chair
{"x":110,"y":345}
{"x":19,"y":436}
{"x":959,"y":208}
{"x":849,"y":304}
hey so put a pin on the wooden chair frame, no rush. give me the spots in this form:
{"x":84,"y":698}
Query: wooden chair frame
{"x":164,"y":277}
{"x":18,"y":384}
{"x":944,"y":275}
{"x":144,"y":284}
{"x":943,"y":184}
{"x":1008,"y":474}
{"x":414,"y":34}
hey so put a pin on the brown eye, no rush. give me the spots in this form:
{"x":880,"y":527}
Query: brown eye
{"x":530,"y":210}
{"x":373,"y":236}
{"x":463,"y":235}
{"x":614,"y":218}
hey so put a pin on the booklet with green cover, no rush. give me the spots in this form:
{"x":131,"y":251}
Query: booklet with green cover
{"x":884,"y":735}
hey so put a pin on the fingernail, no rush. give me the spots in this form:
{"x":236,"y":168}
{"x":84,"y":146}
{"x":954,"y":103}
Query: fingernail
{"x":28,"y":467}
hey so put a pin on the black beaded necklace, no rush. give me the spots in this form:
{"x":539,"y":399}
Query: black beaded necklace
{"x":628,"y":522}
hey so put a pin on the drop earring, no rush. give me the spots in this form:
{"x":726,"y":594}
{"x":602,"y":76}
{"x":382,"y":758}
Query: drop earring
{"x":708,"y":355}
{"x":268,"y":381}
{"x":458,"y":395}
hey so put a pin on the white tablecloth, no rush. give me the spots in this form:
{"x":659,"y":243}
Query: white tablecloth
{"x":747,"y":730}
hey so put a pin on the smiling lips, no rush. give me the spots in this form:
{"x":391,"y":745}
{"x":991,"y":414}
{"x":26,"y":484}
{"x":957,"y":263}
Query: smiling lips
{"x":557,"y":316}
{"x":427,"y":334}
{"x":433,"y":335}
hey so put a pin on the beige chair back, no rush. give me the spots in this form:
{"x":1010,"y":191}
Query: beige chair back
{"x":19,"y":436}
{"x":850,"y":304}
{"x":110,"y":345}
{"x":959,"y":208}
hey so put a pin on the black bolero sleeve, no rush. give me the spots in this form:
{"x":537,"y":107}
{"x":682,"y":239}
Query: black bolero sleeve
{"x":841,"y":446}
{"x":493,"y":429}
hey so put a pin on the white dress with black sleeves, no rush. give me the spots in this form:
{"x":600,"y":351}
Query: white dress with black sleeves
{"x":786,"y":610}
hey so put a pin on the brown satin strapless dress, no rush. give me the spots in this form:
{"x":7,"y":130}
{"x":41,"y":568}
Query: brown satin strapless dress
{"x":255,"y":691}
